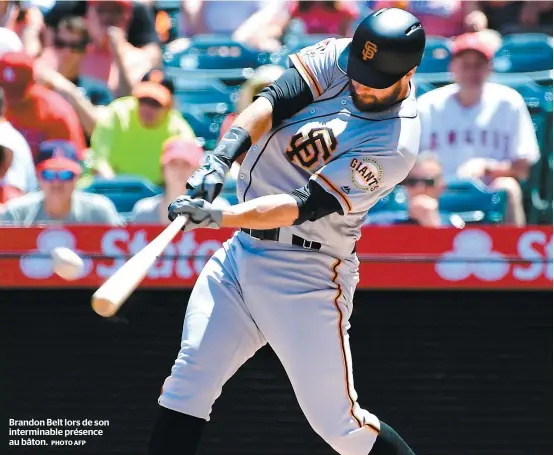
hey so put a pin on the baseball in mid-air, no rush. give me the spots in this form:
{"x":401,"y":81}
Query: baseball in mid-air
{"x":67,"y":264}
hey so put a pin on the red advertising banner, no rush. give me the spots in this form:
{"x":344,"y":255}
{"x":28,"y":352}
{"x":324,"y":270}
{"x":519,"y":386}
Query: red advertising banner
{"x":397,"y":257}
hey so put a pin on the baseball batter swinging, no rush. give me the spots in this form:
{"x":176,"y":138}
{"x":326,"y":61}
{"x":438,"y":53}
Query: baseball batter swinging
{"x":334,"y":134}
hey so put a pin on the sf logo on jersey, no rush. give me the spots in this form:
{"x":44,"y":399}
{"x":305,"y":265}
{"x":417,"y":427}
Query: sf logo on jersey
{"x":307,"y":150}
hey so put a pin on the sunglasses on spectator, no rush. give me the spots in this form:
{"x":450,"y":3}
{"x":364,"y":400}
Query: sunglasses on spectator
{"x":149,"y":102}
{"x":413,"y":181}
{"x":74,"y":46}
{"x":62,"y":176}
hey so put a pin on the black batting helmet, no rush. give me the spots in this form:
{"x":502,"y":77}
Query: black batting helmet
{"x":386,"y":46}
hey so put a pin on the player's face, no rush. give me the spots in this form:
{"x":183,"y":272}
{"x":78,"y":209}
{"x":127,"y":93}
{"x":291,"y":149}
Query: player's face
{"x":372,"y":100}
{"x":470,"y":70}
{"x":425,"y":178}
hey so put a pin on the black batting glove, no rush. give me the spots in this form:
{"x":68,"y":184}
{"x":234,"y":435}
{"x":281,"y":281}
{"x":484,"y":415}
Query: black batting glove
{"x":207,"y":181}
{"x":200,"y":213}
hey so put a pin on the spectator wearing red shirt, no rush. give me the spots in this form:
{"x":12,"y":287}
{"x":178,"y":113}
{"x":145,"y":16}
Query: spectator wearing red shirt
{"x":35,"y":111}
{"x":326,"y":17}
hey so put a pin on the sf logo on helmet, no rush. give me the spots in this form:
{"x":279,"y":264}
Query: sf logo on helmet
{"x":370,"y":49}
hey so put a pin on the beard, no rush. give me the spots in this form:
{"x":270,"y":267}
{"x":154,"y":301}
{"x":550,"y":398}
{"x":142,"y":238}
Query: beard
{"x":374,"y":104}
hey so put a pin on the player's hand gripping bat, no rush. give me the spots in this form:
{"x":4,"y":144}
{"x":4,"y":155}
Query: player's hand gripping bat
{"x":107,"y":300}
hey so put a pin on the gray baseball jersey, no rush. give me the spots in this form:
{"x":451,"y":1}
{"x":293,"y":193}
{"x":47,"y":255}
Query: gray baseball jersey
{"x":357,"y":156}
{"x":253,"y":292}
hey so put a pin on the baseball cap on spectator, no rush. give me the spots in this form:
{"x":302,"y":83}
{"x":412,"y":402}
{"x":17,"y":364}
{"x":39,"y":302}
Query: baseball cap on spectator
{"x":9,"y":41}
{"x":156,"y":85}
{"x":471,"y":42}
{"x":16,"y":73}
{"x":58,"y":155}
{"x":177,"y":148}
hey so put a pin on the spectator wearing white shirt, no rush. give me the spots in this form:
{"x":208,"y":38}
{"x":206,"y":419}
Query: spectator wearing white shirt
{"x":58,"y":201}
{"x":17,"y":170}
{"x":480,"y":129}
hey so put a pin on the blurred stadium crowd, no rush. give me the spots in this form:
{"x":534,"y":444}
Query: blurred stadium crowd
{"x":107,"y":107}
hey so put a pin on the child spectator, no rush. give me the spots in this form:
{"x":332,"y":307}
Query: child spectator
{"x":58,"y":202}
{"x":17,"y":171}
{"x":480,"y":129}
{"x":35,"y":111}
{"x":130,"y":134}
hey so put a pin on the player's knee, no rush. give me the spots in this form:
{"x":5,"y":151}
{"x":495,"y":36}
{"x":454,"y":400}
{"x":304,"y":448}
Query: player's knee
{"x":189,"y":390}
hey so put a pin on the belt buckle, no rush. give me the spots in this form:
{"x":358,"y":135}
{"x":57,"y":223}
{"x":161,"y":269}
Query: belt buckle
{"x":307,"y":244}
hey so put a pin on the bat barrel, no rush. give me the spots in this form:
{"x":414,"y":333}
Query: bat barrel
{"x":107,"y":300}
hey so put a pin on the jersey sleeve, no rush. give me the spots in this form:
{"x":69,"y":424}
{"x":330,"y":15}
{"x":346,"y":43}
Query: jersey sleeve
{"x":524,"y":146}
{"x":316,"y":64}
{"x":358,"y":179}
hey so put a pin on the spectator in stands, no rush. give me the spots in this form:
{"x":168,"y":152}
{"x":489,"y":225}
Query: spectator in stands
{"x":180,"y":158}
{"x":251,"y":21}
{"x":333,"y":18}
{"x":26,"y":20}
{"x":17,"y":170}
{"x":35,"y":111}
{"x":59,"y":68}
{"x":517,"y":16}
{"x":110,"y":57}
{"x":59,"y":202}
{"x":442,"y":17}
{"x":141,"y":32}
{"x":130,"y":134}
{"x":480,"y":129}
{"x":424,"y":185}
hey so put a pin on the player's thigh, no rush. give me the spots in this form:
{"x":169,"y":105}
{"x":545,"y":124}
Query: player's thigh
{"x":305,"y":320}
{"x":218,"y":337}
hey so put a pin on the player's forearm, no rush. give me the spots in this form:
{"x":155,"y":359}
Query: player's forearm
{"x":266,"y":212}
{"x":255,"y":119}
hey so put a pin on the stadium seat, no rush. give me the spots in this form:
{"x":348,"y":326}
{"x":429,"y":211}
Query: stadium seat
{"x":210,"y":93}
{"x":217,"y":52}
{"x":206,"y":126}
{"x":436,"y":57}
{"x":423,"y":87}
{"x":524,"y":52}
{"x":473,"y":202}
{"x":124,"y":190}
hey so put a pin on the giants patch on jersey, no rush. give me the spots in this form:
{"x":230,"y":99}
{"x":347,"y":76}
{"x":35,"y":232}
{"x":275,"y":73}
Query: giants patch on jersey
{"x":307,"y":149}
{"x":366,"y":174}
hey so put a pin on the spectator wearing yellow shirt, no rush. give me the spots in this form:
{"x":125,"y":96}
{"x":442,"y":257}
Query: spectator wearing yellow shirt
{"x":130,"y":133}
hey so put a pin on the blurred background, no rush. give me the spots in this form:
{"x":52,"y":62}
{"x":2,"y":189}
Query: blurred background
{"x":72,"y":70}
{"x":107,"y":107}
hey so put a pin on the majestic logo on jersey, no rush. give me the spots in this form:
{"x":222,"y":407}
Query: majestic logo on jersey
{"x":307,"y":150}
{"x":366,"y":174}
{"x":370,"y":49}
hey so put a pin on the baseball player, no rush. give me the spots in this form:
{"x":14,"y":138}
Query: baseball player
{"x":336,"y":132}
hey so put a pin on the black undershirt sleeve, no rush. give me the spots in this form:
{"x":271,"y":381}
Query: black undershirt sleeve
{"x":288,"y":95}
{"x":314,"y":202}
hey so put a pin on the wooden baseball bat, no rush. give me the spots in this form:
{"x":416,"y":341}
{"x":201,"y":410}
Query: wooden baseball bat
{"x":107,"y":300}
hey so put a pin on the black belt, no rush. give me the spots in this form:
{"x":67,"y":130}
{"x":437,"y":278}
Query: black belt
{"x":273,"y":234}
